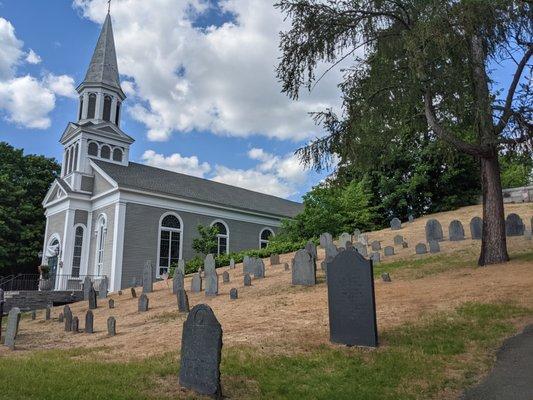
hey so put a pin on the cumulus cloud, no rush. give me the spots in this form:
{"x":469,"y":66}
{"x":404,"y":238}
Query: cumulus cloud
{"x":175,"y":162}
{"x":10,"y":49}
{"x":62,"y":85}
{"x":217,"y":78}
{"x":32,"y":57}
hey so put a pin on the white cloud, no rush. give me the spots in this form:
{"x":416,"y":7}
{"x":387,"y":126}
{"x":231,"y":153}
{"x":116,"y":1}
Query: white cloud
{"x":10,"y":49}
{"x":175,"y":162}
{"x":221,"y":78}
{"x":32,"y":57}
{"x":62,"y":85}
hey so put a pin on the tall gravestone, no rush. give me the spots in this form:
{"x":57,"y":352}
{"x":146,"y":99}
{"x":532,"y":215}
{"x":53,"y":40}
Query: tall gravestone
{"x":143,"y":303}
{"x":89,"y":322}
{"x":148,"y":277}
{"x":326,"y":239}
{"x":13,"y":320}
{"x":48,"y":313}
{"x":421,"y":248}
{"x":87,"y":285}
{"x":351,"y":300}
{"x":183,"y":301}
{"x":196,"y":283}
{"x":75,"y":327}
{"x":433,"y":230}
{"x":93,"y":302}
{"x":514,"y":226}
{"x":103,"y":288}
{"x":303,"y":270}
{"x":395,"y":224}
{"x":456,"y":231}
{"x":111,"y":326}
{"x":274,"y":259}
{"x":211,"y":284}
{"x":209,"y":264}
{"x":201,"y":347}
{"x":178,"y":281}
{"x":133,"y":293}
{"x":67,"y":315}
{"x":344,"y":238}
{"x":476,"y":228}
{"x":247,"y":265}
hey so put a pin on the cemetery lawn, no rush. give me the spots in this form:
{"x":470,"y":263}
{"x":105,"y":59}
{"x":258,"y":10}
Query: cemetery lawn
{"x":433,"y":358}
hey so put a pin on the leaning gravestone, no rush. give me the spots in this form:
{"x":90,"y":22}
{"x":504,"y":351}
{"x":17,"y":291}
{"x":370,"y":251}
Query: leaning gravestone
{"x":361,"y":249}
{"x":143,"y":303}
{"x":476,"y":228}
{"x":177,"y":281}
{"x":111,"y":304}
{"x":375,"y":257}
{"x":398,"y":240}
{"x":196,"y":283}
{"x":111,"y":326}
{"x":274,"y":259}
{"x":344,"y":238}
{"x":13,"y":320}
{"x":421,"y":248}
{"x":148,"y":277}
{"x":258,"y":268}
{"x":67,"y":315}
{"x":433,"y":230}
{"x":456,"y":231}
{"x":89,"y":322}
{"x":225,"y":277}
{"x":233,"y":294}
{"x":375,"y":245}
{"x":514,"y":226}
{"x":304,"y":270}
{"x":133,"y":293}
{"x":352,"y":305}
{"x":325,"y":239}
{"x":395,"y":224}
{"x":87,"y":285}
{"x":434,"y":246}
{"x":75,"y":325}
{"x":231,"y":263}
{"x":209,"y":264}
{"x":247,"y":280}
{"x":201,"y":347}
{"x":93,"y":304}
{"x":388,"y":251}
{"x":311,"y":249}
{"x":183,"y":301}
{"x":211,"y":284}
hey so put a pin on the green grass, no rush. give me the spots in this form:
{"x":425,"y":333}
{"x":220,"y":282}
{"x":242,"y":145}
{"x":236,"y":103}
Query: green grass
{"x":414,"y":361}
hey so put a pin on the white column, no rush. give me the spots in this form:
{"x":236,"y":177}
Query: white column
{"x":113,"y":109}
{"x":99,"y":113}
{"x":87,"y":240}
{"x":85,"y":105}
{"x":66,"y":253}
{"x":63,"y":164}
{"x":118,"y":247}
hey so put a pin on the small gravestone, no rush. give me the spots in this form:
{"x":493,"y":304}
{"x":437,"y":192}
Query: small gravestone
{"x":87,"y":285}
{"x":456,"y":231}
{"x":395,"y":224}
{"x":360,"y":248}
{"x":385,"y":277}
{"x":209,"y":264}
{"x":323,"y":265}
{"x":33,"y":315}
{"x":111,"y":304}
{"x":178,"y":281}
{"x":13,"y":320}
{"x":181,"y":266}
{"x":60,"y":317}
{"x":143,"y":303}
{"x":303,"y":271}
{"x":133,"y":293}
{"x":148,"y":277}
{"x":211,"y":284}
{"x":201,"y":347}
{"x":103,"y":288}
{"x":388,"y":251}
{"x":259,"y":268}
{"x":67,"y":314}
{"x":325,"y":239}
{"x":75,"y":327}
{"x":48,"y":313}
{"x":375,"y":257}
{"x":231,"y":263}
{"x":233,"y":294}
{"x":247,"y":280}
{"x":411,"y":218}
{"x":351,"y":301}
{"x":183,"y":301}
{"x":398,"y":240}
{"x":274,"y":259}
{"x":433,"y":230}
{"x":111,"y":326}
{"x":476,"y":228}
{"x":120,"y":292}
{"x":405,"y":245}
{"x":225,"y":277}
{"x":375,"y":245}
{"x":356,"y":233}
{"x":196,"y":283}
{"x":514,"y":226}
{"x":311,"y":249}
{"x":421,"y":248}
{"x":93,"y":304}
{"x":286,"y":266}
{"x":89,"y":322}
{"x":434,"y":246}
{"x":344,"y":238}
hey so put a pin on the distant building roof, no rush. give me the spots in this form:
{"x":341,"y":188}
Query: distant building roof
{"x":151,"y":179}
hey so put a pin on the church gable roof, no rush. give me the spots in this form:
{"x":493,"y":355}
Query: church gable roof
{"x":151,"y":179}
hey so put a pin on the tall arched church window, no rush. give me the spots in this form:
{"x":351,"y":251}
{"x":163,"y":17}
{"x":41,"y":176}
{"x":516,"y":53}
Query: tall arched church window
{"x":101,"y":232}
{"x":92,"y":150}
{"x":75,"y":163}
{"x":91,"y":109}
{"x":76,"y":256}
{"x":117,"y":155}
{"x":71,"y":161}
{"x":107,"y":108}
{"x":117,"y":115}
{"x":105,"y":152}
{"x":222,"y":238}
{"x":264,"y":237}
{"x":169,"y":243}
{"x":67,"y":161}
{"x":81,"y":108}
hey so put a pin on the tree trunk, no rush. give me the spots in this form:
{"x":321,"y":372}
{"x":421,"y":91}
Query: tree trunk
{"x":493,"y":241}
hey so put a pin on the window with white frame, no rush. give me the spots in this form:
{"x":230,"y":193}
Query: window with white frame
{"x":101,"y":232}
{"x":222,"y":237}
{"x":78,"y":247}
{"x":264,"y":237}
{"x":169,"y":243}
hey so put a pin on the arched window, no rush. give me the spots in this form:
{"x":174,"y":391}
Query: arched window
{"x":76,"y":255}
{"x":75,"y":163}
{"x":107,"y":108}
{"x":71,"y":161}
{"x":81,"y":107}
{"x":101,"y":232}
{"x":67,"y":161}
{"x":92,"y":106}
{"x":264,"y":237}
{"x":117,"y":115}
{"x":117,"y":155}
{"x":93,"y":149}
{"x":105,"y":152}
{"x":222,"y":237}
{"x":169,"y":242}
{"x":52,"y":253}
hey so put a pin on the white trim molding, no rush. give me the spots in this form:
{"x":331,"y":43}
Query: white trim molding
{"x":118,"y":247}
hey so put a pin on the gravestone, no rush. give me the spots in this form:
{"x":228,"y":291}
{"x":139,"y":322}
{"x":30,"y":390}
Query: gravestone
{"x":356,"y":233}
{"x":67,"y":315}
{"x":33,"y":315}
{"x":103,"y":288}
{"x":201,"y":347}
{"x":75,"y":325}
{"x":360,"y":248}
{"x":411,"y":218}
{"x":143,"y":303}
{"x":120,"y":292}
{"x":233,"y":294}
{"x":274,"y":259}
{"x":375,"y":257}
{"x":196,"y":283}
{"x":325,"y":239}
{"x":259,"y":268}
{"x":178,"y":281}
{"x":514,"y":226}
{"x":93,"y":303}
{"x":211,"y":284}
{"x":351,"y":301}
{"x":48,"y":313}
{"x":456,"y":231}
{"x":183,"y":301}
{"x":60,"y":317}
{"x":87,"y":285}
{"x":476,"y":228}
{"x":385,"y":277}
{"x":311,"y":249}
{"x":231,"y":263}
{"x":304,"y":270}
{"x":225,"y":277}
{"x":133,"y":293}
{"x":388,"y":251}
{"x":209,"y":264}
{"x":421,"y":248}
{"x":111,"y":304}
{"x":398,"y":240}
{"x":111,"y":326}
{"x":148,"y":277}
{"x":247,"y":280}
{"x":286,"y":266}
{"x":13,"y":320}
{"x":375,"y":245}
{"x":247,"y":265}
{"x":363,"y":239}
{"x":395,"y":224}
{"x":344,"y":238}
{"x":89,"y":322}
{"x":180,"y":267}
{"x":434,"y":246}
{"x":433,"y":230}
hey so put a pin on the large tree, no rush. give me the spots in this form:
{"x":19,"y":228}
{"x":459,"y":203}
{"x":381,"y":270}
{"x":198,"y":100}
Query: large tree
{"x":413,"y":61}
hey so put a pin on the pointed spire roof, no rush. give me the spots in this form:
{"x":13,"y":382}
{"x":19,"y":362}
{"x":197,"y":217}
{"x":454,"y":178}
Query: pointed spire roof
{"x":103,"y":68}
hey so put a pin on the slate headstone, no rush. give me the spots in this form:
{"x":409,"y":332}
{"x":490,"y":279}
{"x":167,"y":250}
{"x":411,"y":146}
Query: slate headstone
{"x":456,"y":231}
{"x":201,"y":347}
{"x":67,"y":315}
{"x":231,"y":263}
{"x":178,"y":281}
{"x":103,"y":288}
{"x":375,"y":256}
{"x":133,"y":293}
{"x":421,"y":248}
{"x":111,"y":326}
{"x":433,"y":230}
{"x":89,"y":322}
{"x":111,"y":304}
{"x":87,"y":285}
{"x":311,"y":249}
{"x":33,"y":315}
{"x":325,"y":239}
{"x":274,"y":259}
{"x":398,"y":240}
{"x":375,"y":245}
{"x":476,"y":228}
{"x":351,"y":301}
{"x":209,"y":264}
{"x":148,"y":277}
{"x":233,"y":294}
{"x":196,"y":283}
{"x":411,"y":218}
{"x":388,"y":251}
{"x":211,"y":284}
{"x":361,"y":249}
{"x":183,"y":301}
{"x":13,"y":320}
{"x":93,"y":303}
{"x":247,"y":265}
{"x":286,"y":266}
{"x":385,"y":277}
{"x":247,"y":280}
{"x":344,"y":238}
{"x":395,"y":224}
{"x":60,"y":317}
{"x":434,"y":246}
{"x":143,"y":303}
{"x":48,"y":313}
{"x":259,"y":268}
{"x":304,"y":270}
{"x":356,"y":233}
{"x":514,"y":226}
{"x":225,"y":277}
{"x":75,"y":327}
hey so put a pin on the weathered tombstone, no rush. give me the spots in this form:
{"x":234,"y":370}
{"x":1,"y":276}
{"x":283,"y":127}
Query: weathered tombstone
{"x":48,"y":313}
{"x":344,"y":238}
{"x":311,"y":249}
{"x":274,"y":259}
{"x":60,"y":317}
{"x":180,"y":267}
{"x":233,"y":294}
{"x":75,"y":327}
{"x":411,"y":218}
{"x":388,"y":251}
{"x":103,"y":288}
{"x":87,"y":285}
{"x":405,"y":245}
{"x":325,"y":239}
{"x":360,"y":248}
{"x":385,"y":277}
{"x":211,"y":284}
{"x":398,"y":240}
{"x":433,"y":230}
{"x":375,"y":256}
{"x":456,"y":231}
{"x":375,"y":245}
{"x":143,"y":303}
{"x":421,"y":248}
{"x":363,"y":238}
{"x":514,"y":226}
{"x":356,"y":233}
{"x":196,"y":283}
{"x":148,"y":277}
{"x":133,"y":293}
{"x":209,"y":264}
{"x":247,"y":265}
{"x":178,"y":281}
{"x":111,"y":304}
{"x":231,"y":263}
{"x":225,"y":277}
{"x":33,"y":315}
{"x":13,"y":320}
{"x":434,"y":246}
{"x":67,"y":314}
{"x":259,"y":268}
{"x":89,"y":322}
{"x":286,"y":266}
{"x":304,"y":270}
{"x":352,"y":306}
{"x":111,"y":326}
{"x":93,"y":303}
{"x":476,"y":228}
{"x":395,"y":224}
{"x":201,"y":347}
{"x":183,"y":301}
{"x":247,"y":280}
